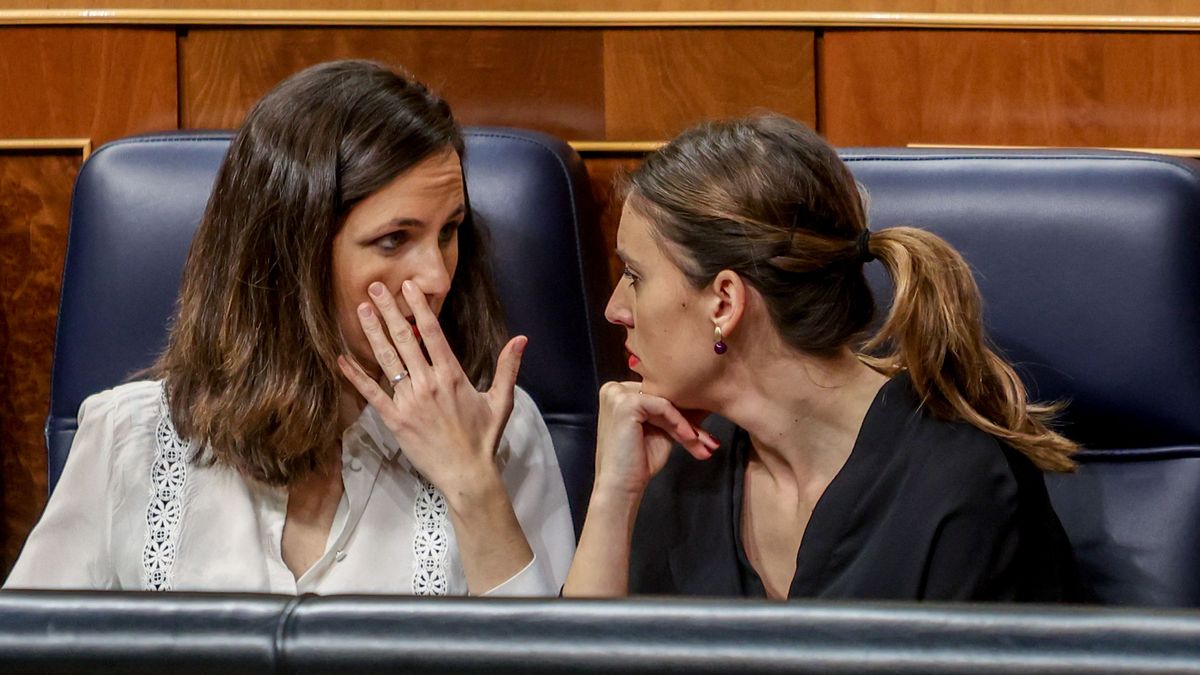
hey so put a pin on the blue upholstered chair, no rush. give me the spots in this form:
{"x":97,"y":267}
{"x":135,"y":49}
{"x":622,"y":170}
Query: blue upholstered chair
{"x":1088,"y":264}
{"x":138,"y":201}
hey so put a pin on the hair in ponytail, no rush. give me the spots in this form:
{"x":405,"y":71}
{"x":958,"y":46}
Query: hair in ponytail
{"x":767,"y":198}
{"x":935,"y":331}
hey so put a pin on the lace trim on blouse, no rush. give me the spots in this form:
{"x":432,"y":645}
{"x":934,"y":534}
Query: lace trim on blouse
{"x":168,"y":474}
{"x":430,"y":543}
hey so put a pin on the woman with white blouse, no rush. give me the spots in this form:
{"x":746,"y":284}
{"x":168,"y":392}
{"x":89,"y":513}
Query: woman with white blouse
{"x":336,"y":410}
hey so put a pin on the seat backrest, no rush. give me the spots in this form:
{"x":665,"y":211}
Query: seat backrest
{"x":1087,"y":265}
{"x":138,"y":201}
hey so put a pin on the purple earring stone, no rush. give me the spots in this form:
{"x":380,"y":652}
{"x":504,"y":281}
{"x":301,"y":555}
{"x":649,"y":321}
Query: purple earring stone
{"x":720,"y":347}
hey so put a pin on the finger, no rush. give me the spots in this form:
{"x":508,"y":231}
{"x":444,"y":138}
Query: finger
{"x":661,"y":414}
{"x":367,"y":387}
{"x":508,"y":366}
{"x":440,"y":354}
{"x":399,"y":332}
{"x":696,"y":417}
{"x":385,"y":354}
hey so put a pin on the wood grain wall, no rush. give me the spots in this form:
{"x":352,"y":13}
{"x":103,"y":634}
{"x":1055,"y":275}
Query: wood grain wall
{"x":1011,"y":88}
{"x":580,"y":84}
{"x":1117,"y":7}
{"x":98,"y":83}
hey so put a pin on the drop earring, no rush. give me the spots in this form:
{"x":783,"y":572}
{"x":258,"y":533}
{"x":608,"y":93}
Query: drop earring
{"x":719,"y":346}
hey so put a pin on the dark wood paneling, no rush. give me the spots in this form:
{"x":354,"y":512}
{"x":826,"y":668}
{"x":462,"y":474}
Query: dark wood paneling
{"x":1011,"y":88}
{"x":34,"y":203}
{"x":98,"y":83}
{"x":604,"y":170}
{"x":540,"y":79}
{"x":658,"y":82}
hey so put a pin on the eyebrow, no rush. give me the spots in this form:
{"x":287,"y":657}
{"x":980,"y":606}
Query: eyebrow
{"x":417,"y":222}
{"x":627,"y":259}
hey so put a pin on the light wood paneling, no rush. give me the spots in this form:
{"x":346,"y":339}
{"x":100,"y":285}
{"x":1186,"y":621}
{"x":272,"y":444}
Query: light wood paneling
{"x":548,"y":80}
{"x":658,"y":82}
{"x":35,"y":191}
{"x":1011,"y":88}
{"x":98,"y":83}
{"x":1129,"y":7}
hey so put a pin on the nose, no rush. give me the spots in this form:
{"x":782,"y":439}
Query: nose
{"x":434,"y":271}
{"x":617,"y":311}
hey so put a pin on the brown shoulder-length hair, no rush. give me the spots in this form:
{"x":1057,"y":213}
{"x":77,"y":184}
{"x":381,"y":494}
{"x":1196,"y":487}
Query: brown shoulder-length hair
{"x":250,"y":366}
{"x":768,"y":198}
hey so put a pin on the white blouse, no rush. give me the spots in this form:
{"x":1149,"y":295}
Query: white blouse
{"x":131,"y":512}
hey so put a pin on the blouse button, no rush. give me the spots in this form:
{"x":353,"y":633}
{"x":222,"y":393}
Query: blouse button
{"x":339,"y":556}
{"x":355,"y":465}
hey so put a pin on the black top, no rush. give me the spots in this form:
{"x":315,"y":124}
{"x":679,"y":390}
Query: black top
{"x":922,"y":510}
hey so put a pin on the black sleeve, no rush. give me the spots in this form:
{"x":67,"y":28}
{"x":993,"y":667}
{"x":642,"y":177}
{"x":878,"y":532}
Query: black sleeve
{"x":974,"y":551}
{"x":999,"y":539}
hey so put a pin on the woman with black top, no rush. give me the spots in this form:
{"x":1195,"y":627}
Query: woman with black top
{"x":905,"y":464}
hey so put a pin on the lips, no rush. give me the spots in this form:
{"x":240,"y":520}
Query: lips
{"x":633,"y":359}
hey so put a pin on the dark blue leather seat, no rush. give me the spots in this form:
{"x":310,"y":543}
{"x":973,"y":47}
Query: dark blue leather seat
{"x":137,"y":203}
{"x":1088,"y":266}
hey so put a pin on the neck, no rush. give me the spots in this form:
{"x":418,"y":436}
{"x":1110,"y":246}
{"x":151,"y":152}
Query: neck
{"x":350,"y":405}
{"x":803,"y":414}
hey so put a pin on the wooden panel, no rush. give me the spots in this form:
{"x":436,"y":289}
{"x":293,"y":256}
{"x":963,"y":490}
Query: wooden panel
{"x":1132,"y":7}
{"x":603,"y":171}
{"x":98,"y":83}
{"x":540,"y":79}
{"x":1011,"y":88}
{"x":658,"y":82}
{"x":34,"y":204}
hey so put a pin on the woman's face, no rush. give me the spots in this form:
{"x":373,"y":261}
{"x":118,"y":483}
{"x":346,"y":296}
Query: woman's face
{"x":408,"y":229}
{"x":668,"y":332}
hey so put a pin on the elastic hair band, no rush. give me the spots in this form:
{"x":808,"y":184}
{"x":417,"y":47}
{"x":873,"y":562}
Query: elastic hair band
{"x":863,"y":245}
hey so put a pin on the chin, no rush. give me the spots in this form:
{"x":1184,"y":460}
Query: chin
{"x":657,"y":389}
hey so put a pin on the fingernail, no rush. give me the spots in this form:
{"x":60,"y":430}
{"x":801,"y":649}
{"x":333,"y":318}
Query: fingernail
{"x":376,"y":289}
{"x":364,"y":310}
{"x":408,"y":285}
{"x":519,"y":348}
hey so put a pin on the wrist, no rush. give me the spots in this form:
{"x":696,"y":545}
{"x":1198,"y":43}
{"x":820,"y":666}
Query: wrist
{"x":614,"y":504}
{"x":474,"y":490}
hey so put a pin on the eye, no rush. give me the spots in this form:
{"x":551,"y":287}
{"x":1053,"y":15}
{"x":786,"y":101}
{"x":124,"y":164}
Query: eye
{"x":391,"y":241}
{"x":448,"y":232}
{"x":630,"y":275}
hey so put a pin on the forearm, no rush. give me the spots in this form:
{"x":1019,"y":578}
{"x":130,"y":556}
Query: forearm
{"x":601,"y":564}
{"x":490,"y":539}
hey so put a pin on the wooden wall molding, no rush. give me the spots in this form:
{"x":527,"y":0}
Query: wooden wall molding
{"x":81,"y":145}
{"x":586,"y":148}
{"x":1172,"y":152}
{"x":598,"y":19}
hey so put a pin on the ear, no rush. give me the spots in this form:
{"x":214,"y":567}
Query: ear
{"x":729,"y":295}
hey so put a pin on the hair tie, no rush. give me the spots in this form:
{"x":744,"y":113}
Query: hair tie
{"x":863,"y":246}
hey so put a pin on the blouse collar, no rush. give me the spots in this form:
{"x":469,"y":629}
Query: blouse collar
{"x":384,"y":442}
